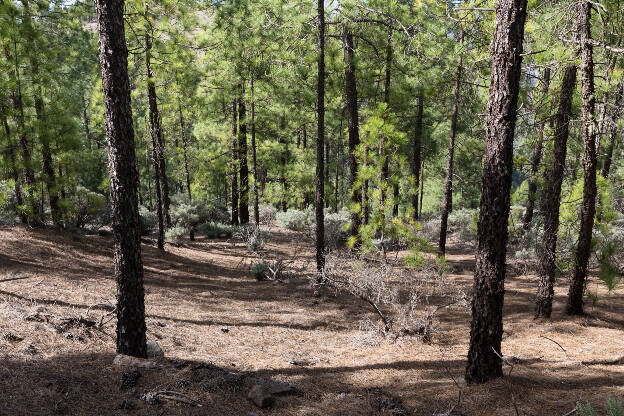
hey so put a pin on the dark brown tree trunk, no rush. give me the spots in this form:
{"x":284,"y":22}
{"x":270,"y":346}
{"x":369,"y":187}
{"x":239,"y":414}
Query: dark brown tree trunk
{"x":416,"y":160}
{"x":233,"y":164}
{"x":282,"y":160}
{"x":354,"y":131}
{"x":486,"y":329}
{"x":588,"y":207}
{"x":319,"y":202}
{"x":447,"y":200}
{"x":536,"y":160}
{"x":613,"y":131}
{"x":552,"y":196}
{"x":256,"y":207}
{"x":123,"y":178}
{"x":155,"y":132}
{"x":305,"y":136}
{"x":365,"y":206}
{"x":422,"y":188}
{"x":327,"y":178}
{"x":385,"y":169}
{"x":19,"y":199}
{"x":243,"y":201}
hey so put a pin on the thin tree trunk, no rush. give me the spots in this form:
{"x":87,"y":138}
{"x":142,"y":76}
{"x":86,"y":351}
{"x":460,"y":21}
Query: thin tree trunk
{"x":615,"y":114}
{"x":354,"y":131}
{"x":14,"y":172}
{"x":256,"y":207}
{"x":156,"y":128}
{"x":243,"y":202}
{"x":327,"y":178}
{"x":282,"y":160}
{"x":416,"y":160}
{"x":486,"y":329}
{"x":233,"y":164}
{"x":551,"y":198}
{"x":187,"y":175}
{"x":365,"y":205}
{"x":123,"y":178}
{"x":320,"y":142}
{"x":385,"y":169}
{"x":447,"y":201}
{"x":588,"y":207}
{"x":422,"y":188}
{"x":536,"y":160}
{"x":155,"y":132}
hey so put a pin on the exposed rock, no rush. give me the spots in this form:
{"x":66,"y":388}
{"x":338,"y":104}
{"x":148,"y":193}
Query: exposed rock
{"x":154,"y":350}
{"x":260,"y":396}
{"x":122,"y":360}
{"x":151,"y":397}
{"x":301,"y":363}
{"x":273,"y":387}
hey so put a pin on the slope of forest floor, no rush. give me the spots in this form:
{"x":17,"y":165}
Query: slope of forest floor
{"x":219,"y":328}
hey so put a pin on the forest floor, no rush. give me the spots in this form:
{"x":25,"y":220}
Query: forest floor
{"x":220,"y":328}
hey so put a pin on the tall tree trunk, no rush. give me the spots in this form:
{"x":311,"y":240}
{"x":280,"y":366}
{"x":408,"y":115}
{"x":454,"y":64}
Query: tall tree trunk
{"x":85,"y":123}
{"x":155,"y":133}
{"x":187,"y":175}
{"x":385,"y":169}
{"x":14,"y":172}
{"x":447,"y":201}
{"x":486,"y":329}
{"x":588,"y":207}
{"x":34,"y":217}
{"x":320,"y":143}
{"x":282,"y":160}
{"x":243,"y":202}
{"x":305,"y":136}
{"x":354,"y":131}
{"x":422,"y":188}
{"x":256,"y":207}
{"x":613,"y":131}
{"x":416,"y":160}
{"x":552,"y":196}
{"x":123,"y":178}
{"x":233,"y":164}
{"x":536,"y":159}
{"x":365,"y":205}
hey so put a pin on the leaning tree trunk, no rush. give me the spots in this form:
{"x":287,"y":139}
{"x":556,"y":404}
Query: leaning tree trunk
{"x":588,"y":207}
{"x":416,"y":160}
{"x":447,"y":201}
{"x":536,"y":160}
{"x":256,"y":207}
{"x":354,"y":132}
{"x":551,"y":198}
{"x":486,"y":329}
{"x":243,"y":201}
{"x":123,"y":178}
{"x":320,"y":143}
{"x":155,"y":132}
{"x":233,"y":164}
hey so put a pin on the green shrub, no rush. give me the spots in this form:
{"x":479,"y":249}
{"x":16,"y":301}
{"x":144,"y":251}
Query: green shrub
{"x":267,"y":214}
{"x":463,"y":223}
{"x":216,"y":230}
{"x":148,"y":220}
{"x":175,"y":235}
{"x":8,"y":203}
{"x":259,"y":270}
{"x":84,"y":207}
{"x":614,"y":407}
{"x":336,"y":226}
{"x":295,"y":220}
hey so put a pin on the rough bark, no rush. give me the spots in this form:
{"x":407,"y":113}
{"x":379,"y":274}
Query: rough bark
{"x":447,"y":201}
{"x":19,"y":199}
{"x":354,"y":130}
{"x":588,"y":208}
{"x":233,"y":164}
{"x":320,"y":142}
{"x":416,"y":159}
{"x":155,"y":132}
{"x":253,"y":156}
{"x":536,"y":160}
{"x":486,"y":329}
{"x":123,"y":178}
{"x":551,"y":198}
{"x":187,"y":174}
{"x":243,"y":201}
{"x":385,"y":168}
{"x":282,"y":160}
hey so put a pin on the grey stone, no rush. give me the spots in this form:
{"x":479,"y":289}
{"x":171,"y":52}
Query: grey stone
{"x":154,"y":350}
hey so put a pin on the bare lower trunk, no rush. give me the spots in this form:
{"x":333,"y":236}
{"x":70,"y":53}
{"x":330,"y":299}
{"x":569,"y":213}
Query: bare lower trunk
{"x":243,"y":202}
{"x":486,"y":328}
{"x":320,"y":142}
{"x":536,"y":160}
{"x":233,"y":164}
{"x":14,"y":172}
{"x":123,"y":178}
{"x":416,"y":160}
{"x":551,"y":198}
{"x":613,"y":131}
{"x":187,"y":175}
{"x":447,"y":201}
{"x":253,"y":156}
{"x":588,"y":207}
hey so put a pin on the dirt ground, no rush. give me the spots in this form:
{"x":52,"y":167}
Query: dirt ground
{"x":220,"y":328}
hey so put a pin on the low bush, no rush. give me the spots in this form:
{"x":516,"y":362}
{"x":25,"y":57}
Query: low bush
{"x":148,"y":220}
{"x":259,"y":270}
{"x":336,"y":228}
{"x":216,"y":230}
{"x":267,"y":214}
{"x":7,"y":203}
{"x":84,"y":207}
{"x":175,"y":235}
{"x":295,"y":220}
